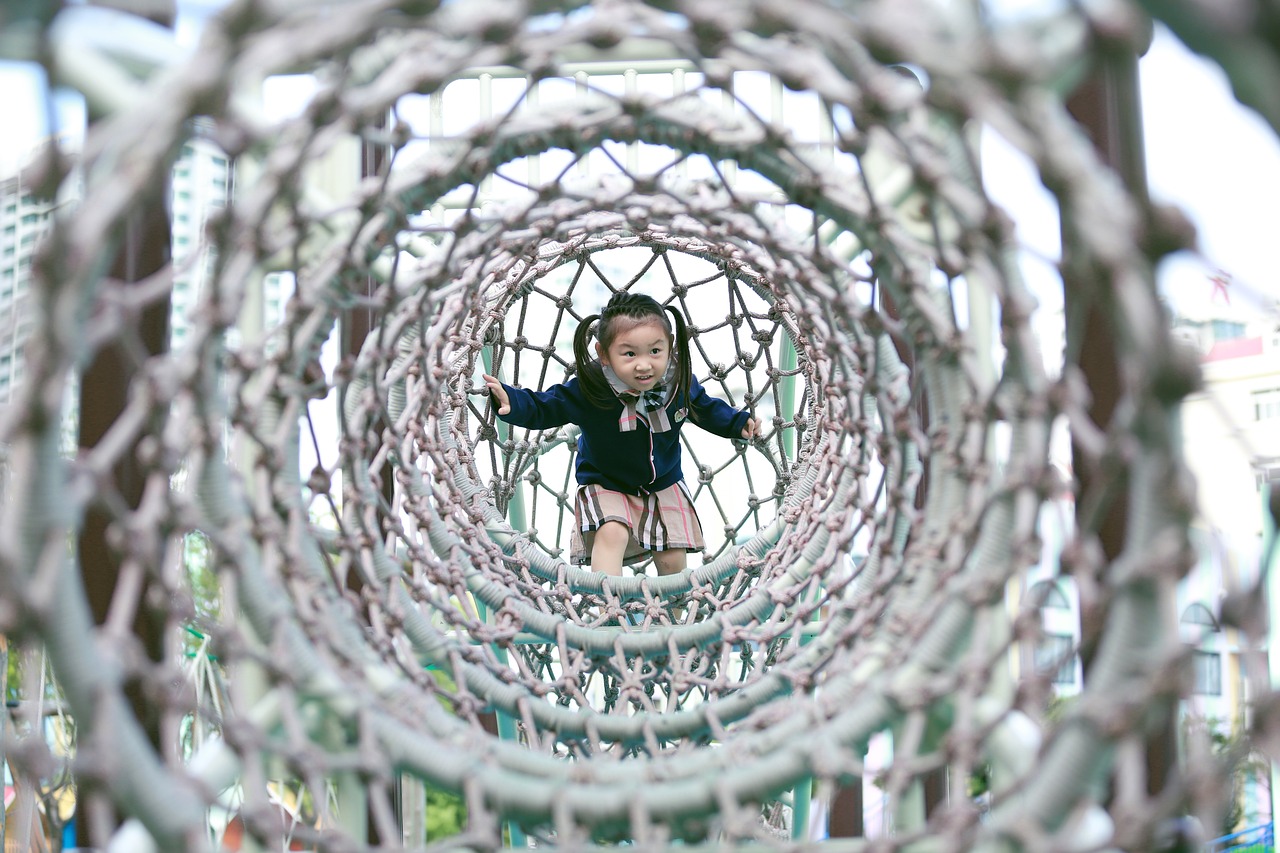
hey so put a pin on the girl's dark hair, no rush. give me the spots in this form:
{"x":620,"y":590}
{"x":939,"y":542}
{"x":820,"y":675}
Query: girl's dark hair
{"x":623,"y":311}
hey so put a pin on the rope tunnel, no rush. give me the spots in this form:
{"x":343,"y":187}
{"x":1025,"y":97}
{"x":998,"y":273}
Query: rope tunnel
{"x":395,"y":606}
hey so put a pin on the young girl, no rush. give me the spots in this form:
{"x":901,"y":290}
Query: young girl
{"x":630,"y":403}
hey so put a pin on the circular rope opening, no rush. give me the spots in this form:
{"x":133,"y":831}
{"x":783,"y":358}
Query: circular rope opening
{"x":375,"y":566}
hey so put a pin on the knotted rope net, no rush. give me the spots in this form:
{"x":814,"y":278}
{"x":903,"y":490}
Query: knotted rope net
{"x":391,"y":604}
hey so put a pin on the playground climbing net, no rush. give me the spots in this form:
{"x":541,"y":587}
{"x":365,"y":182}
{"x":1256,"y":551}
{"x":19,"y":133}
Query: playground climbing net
{"x":375,"y":568}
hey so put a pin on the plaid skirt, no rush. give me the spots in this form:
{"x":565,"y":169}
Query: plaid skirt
{"x":658,"y":522}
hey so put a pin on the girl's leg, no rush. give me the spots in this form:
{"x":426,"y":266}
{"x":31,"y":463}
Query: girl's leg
{"x":670,"y":562}
{"x":608,"y":547}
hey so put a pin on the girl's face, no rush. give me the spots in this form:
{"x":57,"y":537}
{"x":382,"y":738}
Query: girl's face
{"x":639,"y":354}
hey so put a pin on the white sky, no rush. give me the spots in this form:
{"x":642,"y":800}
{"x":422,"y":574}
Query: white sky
{"x":1205,"y":152}
{"x":1221,"y":163}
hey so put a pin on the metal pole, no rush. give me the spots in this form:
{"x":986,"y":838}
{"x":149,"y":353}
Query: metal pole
{"x":501,"y":724}
{"x":104,"y":390}
{"x":1270,"y":572}
{"x":1108,"y":108}
{"x":787,"y":394}
{"x":515,"y":506}
{"x":4,"y":727}
{"x":357,"y":324}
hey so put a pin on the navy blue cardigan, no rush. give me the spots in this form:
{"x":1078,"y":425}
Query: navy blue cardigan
{"x":635,"y":462}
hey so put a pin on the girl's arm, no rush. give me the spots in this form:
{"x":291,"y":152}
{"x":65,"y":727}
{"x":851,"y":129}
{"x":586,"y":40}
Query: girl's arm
{"x":554,"y":407}
{"x":718,"y":417}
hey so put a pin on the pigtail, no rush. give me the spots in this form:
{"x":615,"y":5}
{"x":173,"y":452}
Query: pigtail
{"x":591,"y":380}
{"x":684,"y":363}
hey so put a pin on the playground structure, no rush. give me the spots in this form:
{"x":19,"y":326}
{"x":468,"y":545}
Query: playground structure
{"x":396,"y":614}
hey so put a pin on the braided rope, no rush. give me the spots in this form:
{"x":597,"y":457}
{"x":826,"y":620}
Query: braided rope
{"x":377,"y":609}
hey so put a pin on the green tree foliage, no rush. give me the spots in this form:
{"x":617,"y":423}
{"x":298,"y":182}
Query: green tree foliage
{"x":206,"y":592}
{"x":1232,"y":748}
{"x":197,"y":556}
{"x":446,"y":814}
{"x":13,"y":675}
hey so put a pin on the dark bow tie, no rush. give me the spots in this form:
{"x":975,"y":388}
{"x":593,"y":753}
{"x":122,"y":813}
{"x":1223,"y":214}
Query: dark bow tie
{"x":653,"y":398}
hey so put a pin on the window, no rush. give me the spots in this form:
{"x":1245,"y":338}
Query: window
{"x":1266,"y":472}
{"x":1266,"y":404}
{"x":1226,"y":330}
{"x":1197,"y":614}
{"x":1047,"y":594}
{"x":1207,"y":668}
{"x":1055,"y":654}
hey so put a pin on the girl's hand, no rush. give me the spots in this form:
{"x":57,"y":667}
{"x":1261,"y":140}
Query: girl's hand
{"x":499,"y":393}
{"x":751,"y":430}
